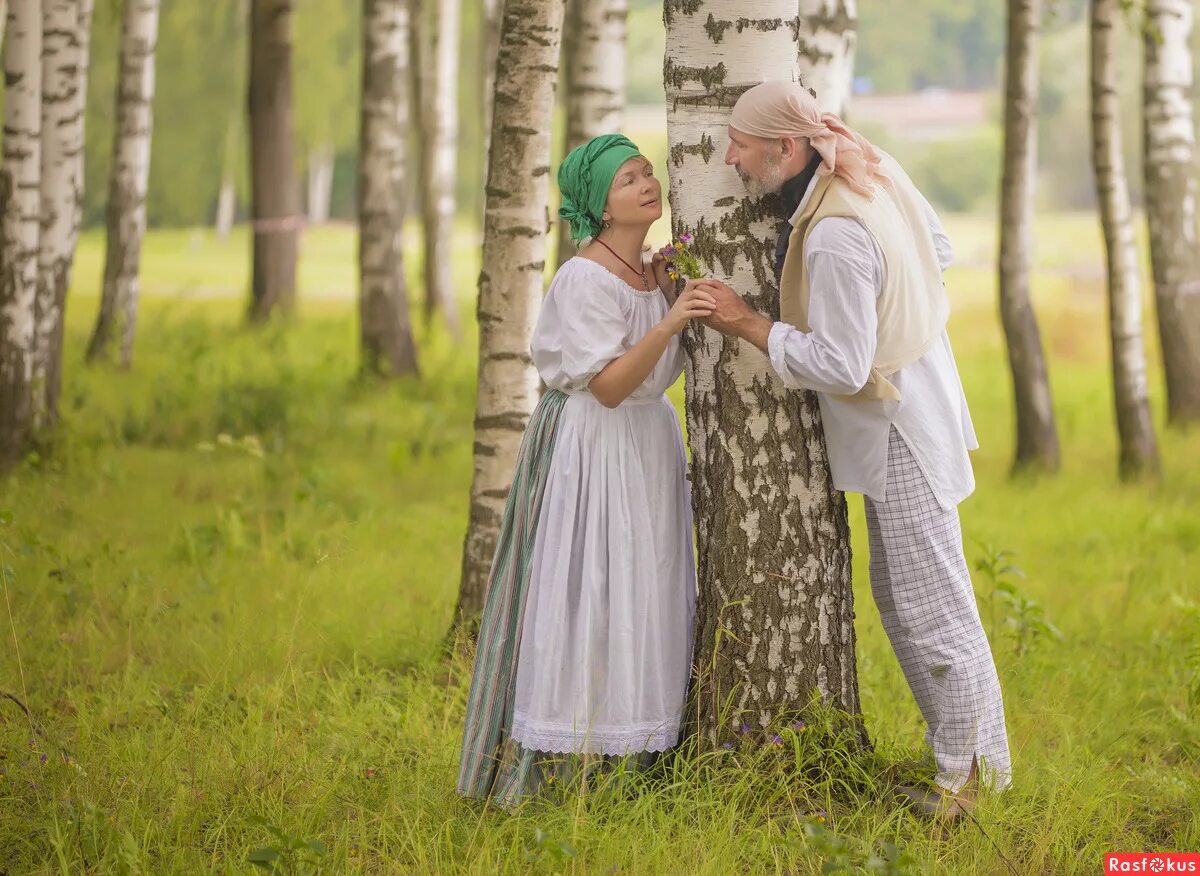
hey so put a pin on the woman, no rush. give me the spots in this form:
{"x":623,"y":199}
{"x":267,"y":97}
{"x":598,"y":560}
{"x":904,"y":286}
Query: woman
{"x":585,"y":642}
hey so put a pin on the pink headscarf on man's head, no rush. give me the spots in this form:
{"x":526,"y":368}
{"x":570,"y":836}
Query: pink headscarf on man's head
{"x":786,"y":109}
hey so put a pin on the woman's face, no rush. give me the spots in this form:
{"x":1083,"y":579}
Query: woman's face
{"x":635,"y":197}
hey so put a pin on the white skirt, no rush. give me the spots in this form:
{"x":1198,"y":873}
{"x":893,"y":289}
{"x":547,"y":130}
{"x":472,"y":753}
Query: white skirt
{"x":606,"y":644}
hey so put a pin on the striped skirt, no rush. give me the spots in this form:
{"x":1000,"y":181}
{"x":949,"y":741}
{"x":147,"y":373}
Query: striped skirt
{"x":493,"y":765}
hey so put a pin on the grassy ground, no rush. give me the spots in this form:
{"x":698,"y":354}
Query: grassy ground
{"x":232,"y":643}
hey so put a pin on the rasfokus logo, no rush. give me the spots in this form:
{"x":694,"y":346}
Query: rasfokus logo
{"x":1152,"y":862}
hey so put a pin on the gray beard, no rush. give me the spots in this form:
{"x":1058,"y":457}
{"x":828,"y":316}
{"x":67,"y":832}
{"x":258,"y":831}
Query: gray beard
{"x":768,"y":184}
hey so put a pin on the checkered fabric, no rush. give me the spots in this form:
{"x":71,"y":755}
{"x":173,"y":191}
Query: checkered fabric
{"x":922,"y":587}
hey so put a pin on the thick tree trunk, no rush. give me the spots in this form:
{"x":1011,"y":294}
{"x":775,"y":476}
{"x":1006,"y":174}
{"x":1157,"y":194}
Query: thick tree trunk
{"x":1171,"y":191}
{"x":593,"y":81}
{"x":775,"y":618}
{"x":1037,"y":436}
{"x":386,"y":336}
{"x":435,"y":69}
{"x":128,"y":179}
{"x":275,"y":196}
{"x":320,"y":183}
{"x":828,"y":35}
{"x":1139,"y":451}
{"x":20,"y":222}
{"x":66,"y":28}
{"x":510,"y":284}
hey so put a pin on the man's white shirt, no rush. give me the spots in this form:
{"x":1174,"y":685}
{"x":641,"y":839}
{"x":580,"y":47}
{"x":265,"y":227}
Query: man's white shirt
{"x":846,"y":272}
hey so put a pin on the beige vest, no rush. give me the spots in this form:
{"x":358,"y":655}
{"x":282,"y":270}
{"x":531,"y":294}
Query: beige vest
{"x":912,"y":307}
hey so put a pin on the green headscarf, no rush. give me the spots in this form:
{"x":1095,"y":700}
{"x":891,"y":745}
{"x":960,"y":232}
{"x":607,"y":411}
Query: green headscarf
{"x":584,"y":178}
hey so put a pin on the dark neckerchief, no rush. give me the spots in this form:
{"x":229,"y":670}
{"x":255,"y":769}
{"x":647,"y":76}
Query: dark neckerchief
{"x":792,"y":194}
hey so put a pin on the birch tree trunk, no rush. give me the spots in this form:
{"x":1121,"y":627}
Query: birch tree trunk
{"x":1037,"y":436}
{"x":490,"y":51}
{"x":275,"y":195}
{"x":828,"y":35}
{"x":593,"y":81}
{"x":435,"y":66}
{"x":1170,"y":170}
{"x":320,"y":183}
{"x":20,"y":221}
{"x":386,"y":336}
{"x":126,"y":215}
{"x":3,"y":19}
{"x":775,"y":619}
{"x":1139,"y":451}
{"x":510,"y":284}
{"x":66,"y":28}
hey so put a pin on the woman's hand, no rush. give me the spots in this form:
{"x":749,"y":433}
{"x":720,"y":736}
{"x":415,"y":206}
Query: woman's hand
{"x":693,"y":303}
{"x":661,"y":266}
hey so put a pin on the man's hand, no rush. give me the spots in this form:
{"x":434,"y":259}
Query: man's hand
{"x":732,"y":315}
{"x":731,"y":309}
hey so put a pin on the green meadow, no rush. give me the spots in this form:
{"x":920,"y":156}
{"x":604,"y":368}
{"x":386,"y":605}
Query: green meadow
{"x":227,"y":587}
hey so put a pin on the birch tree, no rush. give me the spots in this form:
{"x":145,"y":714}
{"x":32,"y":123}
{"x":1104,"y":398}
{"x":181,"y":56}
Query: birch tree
{"x":510,"y":283}
{"x":1139,"y":451}
{"x":385,"y":333}
{"x":275,"y":196}
{"x":592,"y":86}
{"x":827,"y":36}
{"x":66,"y":29}
{"x":1170,"y":172}
{"x":126,"y":215}
{"x":435,"y":67}
{"x":20,"y":215}
{"x":775,"y":605}
{"x":1037,"y":435}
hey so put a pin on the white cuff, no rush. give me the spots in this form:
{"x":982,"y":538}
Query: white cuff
{"x":776,"y":342}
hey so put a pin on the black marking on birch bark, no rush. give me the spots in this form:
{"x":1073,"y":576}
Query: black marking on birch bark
{"x":512,"y":421}
{"x":705,"y":149}
{"x":716,"y":29}
{"x":678,"y":74}
{"x":717,"y":98}
{"x":508,"y":357}
{"x":517,"y":129}
{"x":683,"y":7}
{"x":520,"y":231}
{"x":762,"y":25}
{"x":495,"y":494}
{"x":723,"y":202}
{"x":839,"y":21}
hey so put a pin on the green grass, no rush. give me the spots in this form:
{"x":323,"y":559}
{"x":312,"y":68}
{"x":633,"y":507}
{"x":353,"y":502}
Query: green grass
{"x":222,"y":637}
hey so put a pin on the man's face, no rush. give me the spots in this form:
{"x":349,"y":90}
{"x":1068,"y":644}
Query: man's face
{"x":757,"y":162}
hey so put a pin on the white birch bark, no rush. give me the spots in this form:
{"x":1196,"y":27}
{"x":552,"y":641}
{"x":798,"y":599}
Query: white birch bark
{"x":775,"y":608}
{"x":1139,"y":451}
{"x":436,"y":68}
{"x":1037,"y":436}
{"x":593,"y":82}
{"x":489,"y":48}
{"x":20,"y":215}
{"x":828,"y":35}
{"x":128,"y":179}
{"x":66,"y":29}
{"x":386,"y":336}
{"x":1171,"y":192}
{"x":320,"y":183}
{"x":510,"y":284}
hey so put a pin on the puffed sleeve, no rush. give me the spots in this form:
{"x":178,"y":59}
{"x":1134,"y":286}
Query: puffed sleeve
{"x":582,"y":327}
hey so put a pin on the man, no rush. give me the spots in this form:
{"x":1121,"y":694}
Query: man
{"x":863,"y":323}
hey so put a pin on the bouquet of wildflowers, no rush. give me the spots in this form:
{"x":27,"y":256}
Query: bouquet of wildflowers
{"x":682,"y":262}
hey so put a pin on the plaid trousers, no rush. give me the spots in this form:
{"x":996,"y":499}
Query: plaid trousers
{"x":922,"y":587}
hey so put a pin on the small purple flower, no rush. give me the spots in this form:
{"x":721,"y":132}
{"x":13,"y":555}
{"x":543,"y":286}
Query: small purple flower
{"x":745,"y":728}
{"x":798,"y":726}
{"x":685,"y":238}
{"x":43,"y":758}
{"x":727,"y":745}
{"x":669,"y":250}
{"x":777,"y":739}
